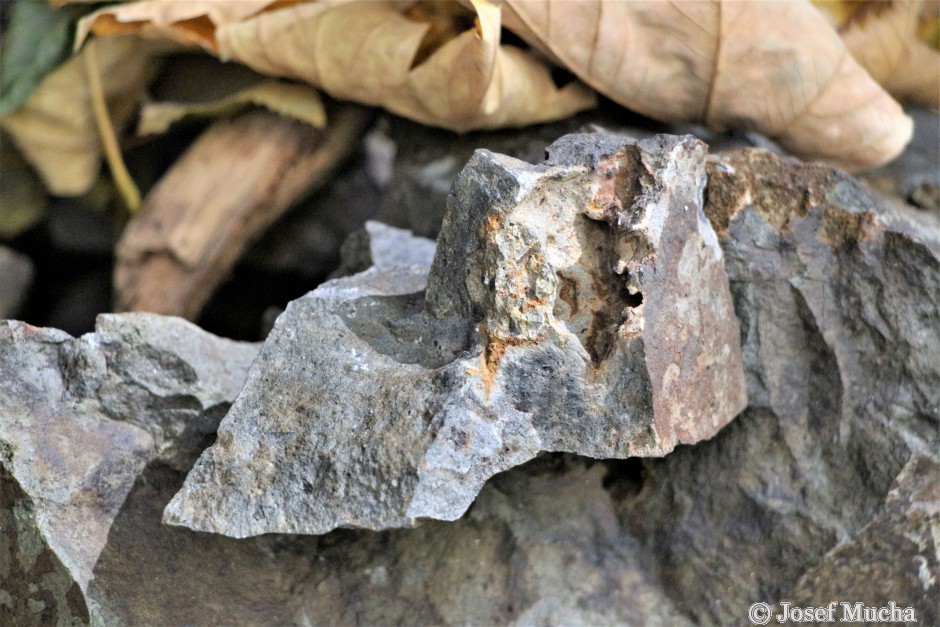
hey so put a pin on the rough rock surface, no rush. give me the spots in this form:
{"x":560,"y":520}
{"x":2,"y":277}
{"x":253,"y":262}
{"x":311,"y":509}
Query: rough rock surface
{"x":79,"y":420}
{"x":580,"y":305}
{"x":541,"y":545}
{"x":838,"y":294}
{"x":16,"y":273}
{"x":894,"y":559}
{"x":384,"y":247}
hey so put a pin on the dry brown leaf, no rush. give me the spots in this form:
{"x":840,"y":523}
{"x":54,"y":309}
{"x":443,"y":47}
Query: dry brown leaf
{"x":775,"y":67}
{"x":367,"y":52}
{"x":189,"y":22}
{"x":883,"y":38}
{"x":293,"y":100}
{"x":56,"y":130}
{"x":399,"y":55}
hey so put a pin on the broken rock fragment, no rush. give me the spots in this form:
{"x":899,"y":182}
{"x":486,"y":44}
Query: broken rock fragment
{"x":80,"y":418}
{"x":579,"y":305}
{"x":384,"y":247}
{"x":838,"y":296}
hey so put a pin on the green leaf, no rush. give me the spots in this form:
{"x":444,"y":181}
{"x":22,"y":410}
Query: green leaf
{"x":38,"y":39}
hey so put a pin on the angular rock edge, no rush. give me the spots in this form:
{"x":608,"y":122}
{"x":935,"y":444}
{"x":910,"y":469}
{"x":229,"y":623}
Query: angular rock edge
{"x":579,"y":305}
{"x":80,"y":419}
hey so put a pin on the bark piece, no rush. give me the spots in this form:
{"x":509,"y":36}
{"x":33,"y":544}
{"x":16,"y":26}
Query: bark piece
{"x":580,"y":305}
{"x":238,"y":177}
{"x":79,"y":420}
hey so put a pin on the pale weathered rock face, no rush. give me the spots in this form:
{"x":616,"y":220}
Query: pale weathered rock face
{"x":838,"y":294}
{"x":79,"y":420}
{"x":16,"y":273}
{"x":580,"y":305}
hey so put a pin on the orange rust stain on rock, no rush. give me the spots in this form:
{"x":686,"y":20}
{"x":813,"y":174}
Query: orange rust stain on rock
{"x":491,"y":222}
{"x":569,"y":293}
{"x":492,"y":355}
{"x":532,"y":302}
{"x":489,"y":361}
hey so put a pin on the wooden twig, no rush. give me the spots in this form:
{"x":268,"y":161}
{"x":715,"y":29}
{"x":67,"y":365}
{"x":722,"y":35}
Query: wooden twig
{"x":231,"y":184}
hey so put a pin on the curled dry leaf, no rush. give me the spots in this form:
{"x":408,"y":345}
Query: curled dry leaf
{"x":300,"y":102}
{"x":377,"y":53}
{"x":411,"y":58}
{"x":775,"y":67}
{"x":888,"y":39}
{"x":190,"y":23}
{"x":55,"y":128}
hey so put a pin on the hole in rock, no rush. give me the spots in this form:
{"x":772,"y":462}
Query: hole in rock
{"x":624,"y":478}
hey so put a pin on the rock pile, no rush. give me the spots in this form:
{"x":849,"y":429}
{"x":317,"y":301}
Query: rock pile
{"x":766,"y":334}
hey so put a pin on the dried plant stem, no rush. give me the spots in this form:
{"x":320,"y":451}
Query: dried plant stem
{"x":122,"y":178}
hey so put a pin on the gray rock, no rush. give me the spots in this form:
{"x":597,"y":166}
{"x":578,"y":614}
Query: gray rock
{"x":79,"y":420}
{"x":580,"y":305}
{"x":16,"y":274}
{"x":894,"y":559}
{"x":824,"y":489}
{"x":541,"y":545}
{"x":838,"y":294}
{"x":384,"y":247}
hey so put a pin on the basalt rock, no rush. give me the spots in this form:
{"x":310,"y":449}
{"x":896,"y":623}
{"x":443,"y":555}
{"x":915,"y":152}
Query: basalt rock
{"x":580,"y":305}
{"x":824,"y":489}
{"x":79,"y":421}
{"x":838,"y":294}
